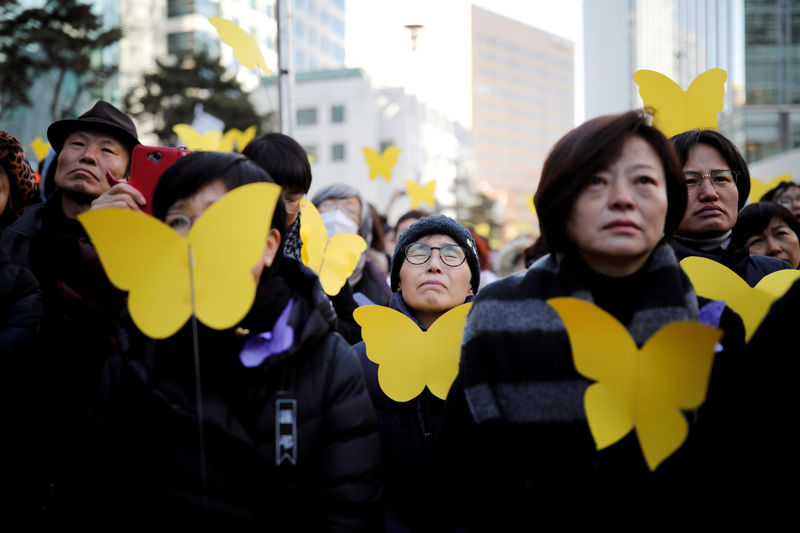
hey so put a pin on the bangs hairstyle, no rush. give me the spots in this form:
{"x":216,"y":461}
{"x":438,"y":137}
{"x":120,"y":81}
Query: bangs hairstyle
{"x":684,"y":142}
{"x":591,"y":148}
{"x":187,"y":175}
{"x":283,"y":159}
{"x":755,"y":218}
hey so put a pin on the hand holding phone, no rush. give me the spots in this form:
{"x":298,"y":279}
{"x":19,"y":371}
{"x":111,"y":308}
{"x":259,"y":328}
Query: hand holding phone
{"x":147,"y":165}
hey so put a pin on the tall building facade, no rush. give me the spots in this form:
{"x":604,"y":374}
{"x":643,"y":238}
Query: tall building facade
{"x":756,"y":41}
{"x":522,"y":103}
{"x":340,"y":112}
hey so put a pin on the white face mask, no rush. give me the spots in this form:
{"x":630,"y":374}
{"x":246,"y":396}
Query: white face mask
{"x":337,"y":222}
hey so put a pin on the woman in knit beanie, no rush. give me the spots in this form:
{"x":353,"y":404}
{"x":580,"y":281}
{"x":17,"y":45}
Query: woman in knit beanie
{"x":434,"y":268}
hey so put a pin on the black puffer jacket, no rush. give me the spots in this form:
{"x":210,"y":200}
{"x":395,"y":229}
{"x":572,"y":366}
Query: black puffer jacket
{"x":310,"y":400}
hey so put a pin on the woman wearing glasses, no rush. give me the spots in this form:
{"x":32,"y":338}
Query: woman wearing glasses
{"x":788,"y":195}
{"x":718,"y":184}
{"x":434,"y":268}
{"x":516,"y":442}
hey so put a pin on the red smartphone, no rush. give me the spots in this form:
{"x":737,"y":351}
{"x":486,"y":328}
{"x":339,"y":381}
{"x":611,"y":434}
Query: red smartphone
{"x":147,"y":165}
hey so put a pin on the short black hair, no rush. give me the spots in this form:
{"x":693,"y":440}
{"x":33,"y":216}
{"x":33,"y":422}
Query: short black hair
{"x":755,"y":218}
{"x":588,"y":149}
{"x":684,"y":142}
{"x":184,"y":177}
{"x":773,"y":194}
{"x":283,"y":159}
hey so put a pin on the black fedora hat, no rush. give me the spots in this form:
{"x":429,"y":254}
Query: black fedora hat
{"x":101,"y":117}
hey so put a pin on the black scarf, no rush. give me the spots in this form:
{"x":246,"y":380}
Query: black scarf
{"x":516,"y":362}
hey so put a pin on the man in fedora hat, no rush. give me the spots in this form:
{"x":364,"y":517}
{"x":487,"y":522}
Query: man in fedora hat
{"x":81,"y":307}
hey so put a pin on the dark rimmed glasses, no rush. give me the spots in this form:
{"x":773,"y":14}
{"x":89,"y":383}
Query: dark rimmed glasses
{"x":721,"y":180}
{"x":418,"y":253}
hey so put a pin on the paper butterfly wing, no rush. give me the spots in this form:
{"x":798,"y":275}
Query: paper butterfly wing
{"x":40,"y":148}
{"x":717,"y":282}
{"x":758,"y":188}
{"x":341,"y":257}
{"x":603,"y":351}
{"x":673,"y":376}
{"x":235,"y":139}
{"x":664,"y":98}
{"x":401,"y":368}
{"x":704,"y":99}
{"x":245,"y":47}
{"x":777,"y":283}
{"x":228,"y":240}
{"x":676,"y":111}
{"x":381,"y":164}
{"x":209,"y":141}
{"x":332,"y":259}
{"x":313,"y":234}
{"x":142,"y":255}
{"x":421,"y":193}
{"x":443,"y":346}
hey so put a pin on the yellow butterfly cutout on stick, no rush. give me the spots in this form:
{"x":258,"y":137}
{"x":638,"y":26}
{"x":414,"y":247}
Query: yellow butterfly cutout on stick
{"x":758,"y":188}
{"x":334,"y":259}
{"x":718,"y":282}
{"x":421,"y":193}
{"x":210,"y":141}
{"x":381,"y":164}
{"x":235,"y":139}
{"x":638,"y":389}
{"x":423,"y":358}
{"x":161,"y":269}
{"x":40,"y":148}
{"x":675,"y":110}
{"x":245,"y":47}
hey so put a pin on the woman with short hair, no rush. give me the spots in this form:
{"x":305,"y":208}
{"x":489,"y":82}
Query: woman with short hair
{"x":768,"y":228}
{"x":516,"y":440}
{"x":718,"y":183}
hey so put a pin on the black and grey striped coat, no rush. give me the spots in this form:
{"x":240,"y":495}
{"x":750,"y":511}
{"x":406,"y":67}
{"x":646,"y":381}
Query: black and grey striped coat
{"x":516,"y":432}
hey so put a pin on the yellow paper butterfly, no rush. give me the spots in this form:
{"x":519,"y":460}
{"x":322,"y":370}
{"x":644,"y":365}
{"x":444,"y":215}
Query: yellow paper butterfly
{"x":758,"y":188}
{"x":381,"y":164}
{"x":421,"y":193}
{"x":422,"y":358}
{"x":531,"y":204}
{"x":675,"y":110}
{"x":235,"y":139}
{"x":637,"y":389}
{"x":144,"y":256}
{"x":245,"y":47}
{"x":40,"y":148}
{"x":334,"y":259}
{"x":717,"y":282}
{"x":209,"y":141}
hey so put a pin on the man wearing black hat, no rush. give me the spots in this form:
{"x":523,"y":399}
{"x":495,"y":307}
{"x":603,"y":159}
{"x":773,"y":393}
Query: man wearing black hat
{"x":81,"y":307}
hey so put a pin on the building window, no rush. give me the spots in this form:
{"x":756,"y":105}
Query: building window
{"x":307,"y":116}
{"x":338,"y":26}
{"x":311,"y":152}
{"x":337,"y":152}
{"x":337,"y":114}
{"x":180,"y":43}
{"x":177,"y":8}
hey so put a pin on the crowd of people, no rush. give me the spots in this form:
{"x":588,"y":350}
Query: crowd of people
{"x":106,"y":426}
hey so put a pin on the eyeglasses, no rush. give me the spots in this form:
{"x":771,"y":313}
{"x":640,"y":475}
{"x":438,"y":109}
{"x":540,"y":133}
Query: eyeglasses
{"x":721,"y":180}
{"x":418,"y":253}
{"x":787,"y":201}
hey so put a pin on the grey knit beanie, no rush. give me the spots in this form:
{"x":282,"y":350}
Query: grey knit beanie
{"x":433,"y":225}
